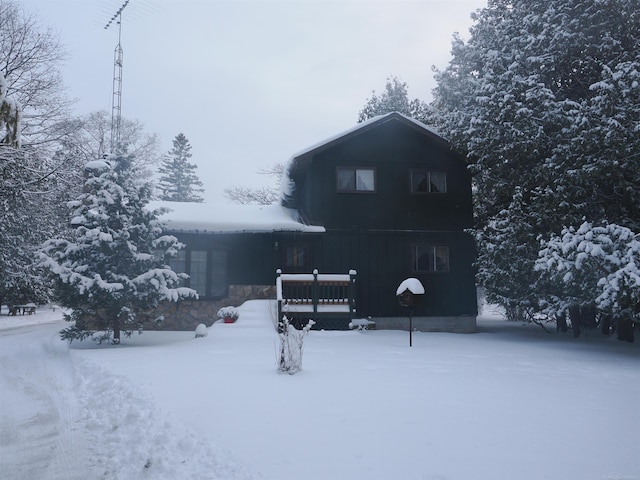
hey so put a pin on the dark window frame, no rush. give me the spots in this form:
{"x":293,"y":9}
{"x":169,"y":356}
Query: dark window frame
{"x":355,"y":173}
{"x":294,"y":267}
{"x":204,"y":292}
{"x":428,"y":173}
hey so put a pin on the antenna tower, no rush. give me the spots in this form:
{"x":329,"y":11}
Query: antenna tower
{"x":116,"y":100}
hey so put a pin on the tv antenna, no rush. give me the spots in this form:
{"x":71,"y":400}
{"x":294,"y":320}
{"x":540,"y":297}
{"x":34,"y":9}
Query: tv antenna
{"x":116,"y":99}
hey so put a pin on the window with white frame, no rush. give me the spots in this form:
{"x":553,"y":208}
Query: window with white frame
{"x":425,"y":181}
{"x":352,"y":179}
{"x":430,"y":258}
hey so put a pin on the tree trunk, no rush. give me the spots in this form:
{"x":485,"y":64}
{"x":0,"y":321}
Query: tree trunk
{"x":116,"y":331}
{"x":607,"y":325}
{"x":625,"y":330}
{"x":574,"y":315}
{"x":561,"y":323}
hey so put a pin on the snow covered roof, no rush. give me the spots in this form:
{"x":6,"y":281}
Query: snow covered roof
{"x":231,"y":218}
{"x":413,"y":285}
{"x":363,"y":127}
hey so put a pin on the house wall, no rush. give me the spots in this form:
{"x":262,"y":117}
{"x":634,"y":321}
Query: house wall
{"x":373,"y":233}
{"x":393,"y":150}
{"x":383,"y":261}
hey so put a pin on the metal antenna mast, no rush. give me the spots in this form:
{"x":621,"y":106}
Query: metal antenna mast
{"x":116,"y":101}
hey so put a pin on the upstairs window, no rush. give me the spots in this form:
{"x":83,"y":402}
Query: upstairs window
{"x":430,"y":258}
{"x":351,"y":179}
{"x":424,"y":181}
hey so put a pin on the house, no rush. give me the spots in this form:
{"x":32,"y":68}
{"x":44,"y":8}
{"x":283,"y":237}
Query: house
{"x":387,"y":198}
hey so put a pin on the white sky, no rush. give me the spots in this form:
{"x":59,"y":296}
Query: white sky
{"x":250,"y":83}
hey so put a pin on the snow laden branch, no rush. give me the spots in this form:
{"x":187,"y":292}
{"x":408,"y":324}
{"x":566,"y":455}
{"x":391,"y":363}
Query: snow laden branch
{"x":593,"y":264}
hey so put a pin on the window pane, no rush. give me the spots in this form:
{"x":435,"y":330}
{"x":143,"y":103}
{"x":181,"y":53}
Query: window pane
{"x":219,"y":271}
{"x":428,"y":258}
{"x":441,"y":259}
{"x":422,"y":262}
{"x":419,"y":181}
{"x":438,"y":182}
{"x":346,"y":179}
{"x":365,"y":180}
{"x":178,"y":264}
{"x":198,"y":272}
{"x":296,"y":256}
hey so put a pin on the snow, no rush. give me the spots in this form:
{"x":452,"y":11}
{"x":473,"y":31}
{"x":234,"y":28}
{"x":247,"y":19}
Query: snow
{"x":508,"y":402}
{"x":413,"y":285}
{"x":97,"y":165}
{"x":230,"y":218}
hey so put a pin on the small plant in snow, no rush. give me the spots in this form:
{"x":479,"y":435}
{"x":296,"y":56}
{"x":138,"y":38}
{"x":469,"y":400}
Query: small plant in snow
{"x":201,"y":331}
{"x":291,"y":346}
{"x":228,"y":312}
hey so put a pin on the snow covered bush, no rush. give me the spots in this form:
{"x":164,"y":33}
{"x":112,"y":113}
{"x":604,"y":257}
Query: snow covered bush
{"x":599,"y":265}
{"x":112,"y":271}
{"x":291,"y":346}
{"x":230,"y":313}
{"x":201,"y":331}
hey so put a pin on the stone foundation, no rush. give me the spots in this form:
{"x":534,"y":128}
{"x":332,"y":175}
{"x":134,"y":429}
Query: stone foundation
{"x":188,"y":314}
{"x":459,"y":324}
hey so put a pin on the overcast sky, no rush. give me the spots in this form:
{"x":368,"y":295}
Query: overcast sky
{"x":250,"y":83}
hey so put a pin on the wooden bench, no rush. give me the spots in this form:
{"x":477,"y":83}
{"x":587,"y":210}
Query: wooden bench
{"x":315,"y":296}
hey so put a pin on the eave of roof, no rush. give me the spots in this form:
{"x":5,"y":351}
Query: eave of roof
{"x":230,"y":218}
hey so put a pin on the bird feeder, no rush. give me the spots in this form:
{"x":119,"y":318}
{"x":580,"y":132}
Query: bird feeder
{"x":410,"y":294}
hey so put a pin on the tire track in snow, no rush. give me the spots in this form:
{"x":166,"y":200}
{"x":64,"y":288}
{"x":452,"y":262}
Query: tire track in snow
{"x":38,"y":407}
{"x":129,"y":437}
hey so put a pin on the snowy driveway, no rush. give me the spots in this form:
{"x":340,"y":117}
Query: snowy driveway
{"x":39,"y":435}
{"x":65,"y":418}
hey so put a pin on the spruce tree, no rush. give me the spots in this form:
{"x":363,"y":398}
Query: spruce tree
{"x":112,"y":271}
{"x":178,"y":179}
{"x":544,"y":101}
{"x":395,"y":98}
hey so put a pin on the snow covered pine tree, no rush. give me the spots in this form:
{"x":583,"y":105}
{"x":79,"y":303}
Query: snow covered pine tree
{"x":544,"y":99}
{"x":178,"y":179}
{"x":113,"y":271}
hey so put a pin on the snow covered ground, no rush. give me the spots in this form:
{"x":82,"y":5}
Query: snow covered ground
{"x":510,"y":402}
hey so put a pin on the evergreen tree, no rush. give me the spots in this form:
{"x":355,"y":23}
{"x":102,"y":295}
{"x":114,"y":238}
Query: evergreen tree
{"x":594,"y":265}
{"x":178,"y":179}
{"x":395,"y":98}
{"x":544,"y":100}
{"x":112,"y":271}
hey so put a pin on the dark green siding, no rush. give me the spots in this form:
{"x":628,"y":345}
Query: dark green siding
{"x":370,"y":232}
{"x":393,"y":152}
{"x":383,"y":261}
